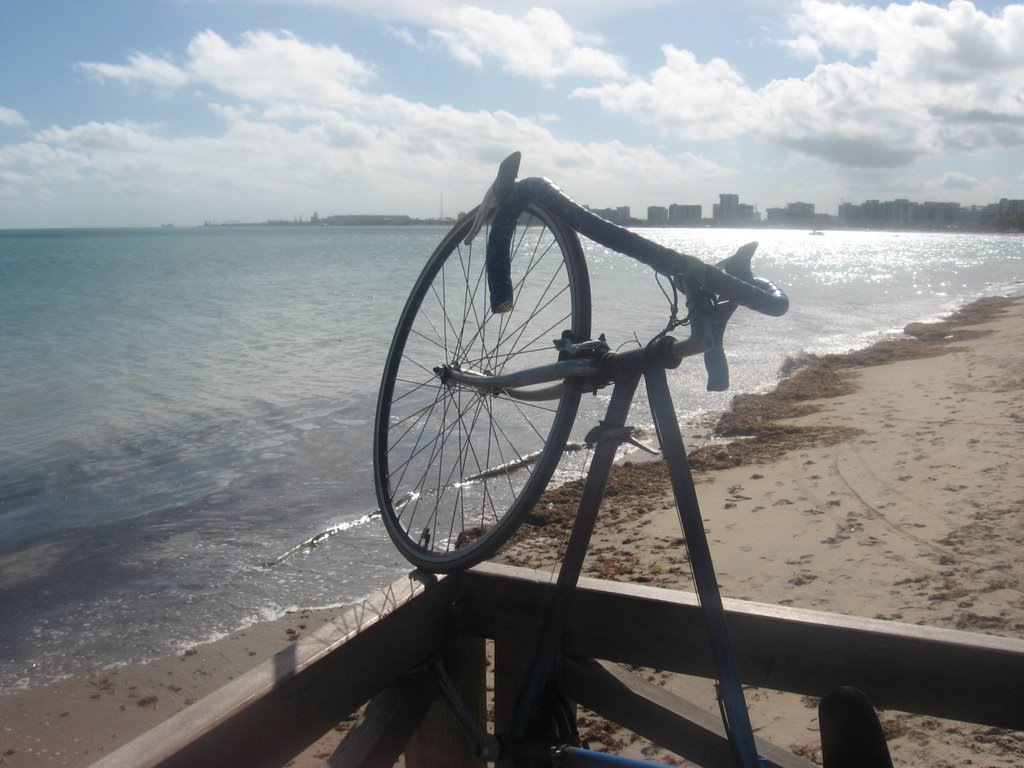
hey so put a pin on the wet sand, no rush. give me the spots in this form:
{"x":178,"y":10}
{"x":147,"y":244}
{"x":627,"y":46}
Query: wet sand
{"x":887,"y":483}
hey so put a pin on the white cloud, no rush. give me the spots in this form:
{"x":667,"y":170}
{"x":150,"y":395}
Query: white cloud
{"x":684,"y":97}
{"x":265,"y":67}
{"x":10,"y":116}
{"x":919,"y":41}
{"x":118,"y":155}
{"x":803,"y":46}
{"x":301,"y":132}
{"x":847,"y":115}
{"x":425,"y":12}
{"x":98,"y":136}
{"x":272,"y":68}
{"x":892,"y":84}
{"x":955,"y":180}
{"x":141,"y":68}
{"x":383,"y":154}
{"x":921,"y":79}
{"x":540,"y":44}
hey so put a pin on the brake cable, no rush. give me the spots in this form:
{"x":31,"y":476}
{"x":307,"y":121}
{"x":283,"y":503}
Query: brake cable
{"x":674,"y":321}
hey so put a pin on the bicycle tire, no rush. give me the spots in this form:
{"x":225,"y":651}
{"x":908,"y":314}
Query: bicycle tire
{"x":455,"y":469}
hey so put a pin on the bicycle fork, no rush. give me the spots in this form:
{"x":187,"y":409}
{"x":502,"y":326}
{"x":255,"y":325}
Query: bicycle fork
{"x":627,"y":368}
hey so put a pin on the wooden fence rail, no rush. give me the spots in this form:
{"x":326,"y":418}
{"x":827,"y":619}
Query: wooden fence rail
{"x":272,"y":713}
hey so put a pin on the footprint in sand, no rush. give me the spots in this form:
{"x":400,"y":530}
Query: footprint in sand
{"x":802,"y":578}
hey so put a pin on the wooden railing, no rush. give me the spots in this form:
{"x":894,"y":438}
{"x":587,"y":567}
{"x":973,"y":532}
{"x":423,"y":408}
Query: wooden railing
{"x":377,"y":650}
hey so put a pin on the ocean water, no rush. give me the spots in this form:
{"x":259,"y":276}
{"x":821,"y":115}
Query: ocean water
{"x":181,"y":408}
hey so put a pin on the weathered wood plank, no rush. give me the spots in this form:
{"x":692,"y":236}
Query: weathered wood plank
{"x":660,"y":716}
{"x":391,"y":717}
{"x":270,"y":714}
{"x":941,"y":672}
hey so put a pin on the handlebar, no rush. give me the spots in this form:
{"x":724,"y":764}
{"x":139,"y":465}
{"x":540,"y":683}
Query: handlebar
{"x":731,"y":282}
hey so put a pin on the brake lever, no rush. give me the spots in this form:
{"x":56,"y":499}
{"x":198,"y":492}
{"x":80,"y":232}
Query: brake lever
{"x":714,"y":357}
{"x":495,"y":195}
{"x":707,"y":321}
{"x":737,"y":265}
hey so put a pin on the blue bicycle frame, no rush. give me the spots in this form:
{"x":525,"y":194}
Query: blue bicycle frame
{"x":712,"y":295}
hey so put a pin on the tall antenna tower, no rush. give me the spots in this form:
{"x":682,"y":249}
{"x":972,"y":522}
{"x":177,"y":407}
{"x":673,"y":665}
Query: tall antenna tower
{"x":441,"y":210}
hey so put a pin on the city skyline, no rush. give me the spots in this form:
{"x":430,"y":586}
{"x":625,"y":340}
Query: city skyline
{"x":1005,"y":215}
{"x":119,"y":113}
{"x":1008,"y":212}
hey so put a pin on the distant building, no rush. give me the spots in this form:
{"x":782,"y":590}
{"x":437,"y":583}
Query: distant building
{"x":730,"y":212}
{"x":903,"y":214}
{"x":726,"y":212}
{"x":939,"y":215}
{"x":793,"y":215}
{"x":1010,"y":215}
{"x":685,"y":215}
{"x":372,"y":220}
{"x":973,"y":216}
{"x":618,"y":215}
{"x":1011,"y":207}
{"x":657,"y":214}
{"x":800,"y":210}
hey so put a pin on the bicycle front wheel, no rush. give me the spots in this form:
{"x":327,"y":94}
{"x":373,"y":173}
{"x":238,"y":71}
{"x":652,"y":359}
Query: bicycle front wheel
{"x":456,"y":468}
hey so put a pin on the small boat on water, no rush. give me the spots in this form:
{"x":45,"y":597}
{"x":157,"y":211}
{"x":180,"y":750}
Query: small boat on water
{"x":816,"y":232}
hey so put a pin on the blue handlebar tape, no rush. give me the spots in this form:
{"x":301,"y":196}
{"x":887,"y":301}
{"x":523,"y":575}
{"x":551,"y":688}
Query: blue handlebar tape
{"x":499,"y":257}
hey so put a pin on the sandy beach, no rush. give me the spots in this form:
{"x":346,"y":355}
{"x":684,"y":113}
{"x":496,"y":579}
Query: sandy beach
{"x":887,"y":483}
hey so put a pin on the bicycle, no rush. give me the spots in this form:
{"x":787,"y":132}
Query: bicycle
{"x":477,"y":401}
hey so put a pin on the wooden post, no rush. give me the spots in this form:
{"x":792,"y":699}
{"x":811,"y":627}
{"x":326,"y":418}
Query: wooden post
{"x":441,"y":739}
{"x":516,"y":632}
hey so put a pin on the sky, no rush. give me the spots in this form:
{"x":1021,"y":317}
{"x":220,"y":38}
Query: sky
{"x":150,"y":112}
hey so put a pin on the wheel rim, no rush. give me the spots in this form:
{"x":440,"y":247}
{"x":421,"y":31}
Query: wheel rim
{"x":457,"y":468}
